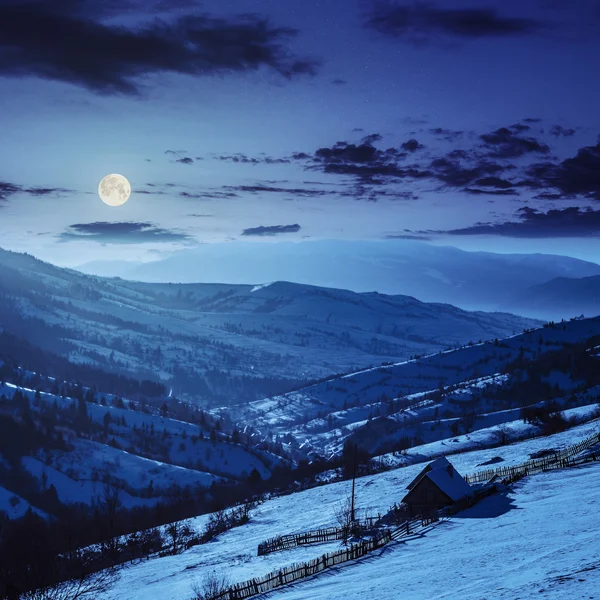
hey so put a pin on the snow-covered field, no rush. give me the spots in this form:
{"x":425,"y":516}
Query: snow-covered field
{"x":538,"y":541}
{"x":507,"y":546}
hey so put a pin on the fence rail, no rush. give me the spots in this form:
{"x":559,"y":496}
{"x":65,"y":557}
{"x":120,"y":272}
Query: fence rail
{"x":317,"y":536}
{"x":285,"y":542}
{"x":536,"y":465}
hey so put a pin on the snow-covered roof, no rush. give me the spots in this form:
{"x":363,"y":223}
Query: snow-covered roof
{"x":449,"y":481}
{"x":438,"y":463}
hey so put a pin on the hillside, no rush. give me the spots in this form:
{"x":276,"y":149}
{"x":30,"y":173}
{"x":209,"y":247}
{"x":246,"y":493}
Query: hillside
{"x":67,"y":447}
{"x":539,"y":535}
{"x":427,"y":398}
{"x":221,"y":344}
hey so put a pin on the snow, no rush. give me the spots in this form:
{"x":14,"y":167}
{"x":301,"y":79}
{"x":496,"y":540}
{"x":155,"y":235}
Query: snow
{"x":507,"y":546}
{"x":15,"y":506}
{"x":450,"y":482}
{"x":540,"y":540}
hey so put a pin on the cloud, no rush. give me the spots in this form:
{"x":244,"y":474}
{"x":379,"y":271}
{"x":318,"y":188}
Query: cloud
{"x":250,"y":160}
{"x":567,"y":222}
{"x":8,"y":189}
{"x":560,"y":131}
{"x":259,"y":189}
{"x":449,"y":135}
{"x":339,"y":81}
{"x":208,"y":195}
{"x":121,"y":233}
{"x":412,"y":145}
{"x":424,"y":22}
{"x":264,"y":230}
{"x":64,"y":41}
{"x":363,"y":160}
{"x":505,"y":143}
{"x":577,"y":176}
{"x":186,"y":160}
{"x":450,"y":171}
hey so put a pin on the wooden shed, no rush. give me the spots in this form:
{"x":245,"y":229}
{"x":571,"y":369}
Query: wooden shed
{"x":439,"y":484}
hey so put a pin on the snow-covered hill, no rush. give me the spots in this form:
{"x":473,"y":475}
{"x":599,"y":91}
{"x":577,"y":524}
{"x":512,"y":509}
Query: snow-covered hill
{"x":471,"y":280}
{"x":539,"y":539}
{"x":473,"y":387}
{"x":221,"y":343}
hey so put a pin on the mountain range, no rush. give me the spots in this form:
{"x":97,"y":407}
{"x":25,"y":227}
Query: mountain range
{"x":471,"y":280}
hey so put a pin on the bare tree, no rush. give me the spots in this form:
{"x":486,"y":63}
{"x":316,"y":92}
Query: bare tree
{"x":212,"y":587}
{"x":179,"y":532}
{"x":110,"y":503}
{"x":343,"y":516}
{"x":88,"y":586}
{"x":502,"y":434}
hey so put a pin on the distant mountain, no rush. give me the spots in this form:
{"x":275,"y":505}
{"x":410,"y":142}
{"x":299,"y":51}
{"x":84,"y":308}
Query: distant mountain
{"x":471,"y":280}
{"x":562,"y":297}
{"x":225,"y":344}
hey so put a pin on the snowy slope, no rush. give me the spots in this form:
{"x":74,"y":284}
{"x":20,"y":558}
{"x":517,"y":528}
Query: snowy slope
{"x":186,"y":333}
{"x":546,"y":527}
{"x":322,"y":415}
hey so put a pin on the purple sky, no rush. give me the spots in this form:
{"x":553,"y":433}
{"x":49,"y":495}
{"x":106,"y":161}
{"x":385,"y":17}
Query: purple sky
{"x":470,"y":123}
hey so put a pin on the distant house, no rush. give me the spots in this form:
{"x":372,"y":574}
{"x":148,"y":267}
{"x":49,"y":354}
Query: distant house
{"x":439,"y":484}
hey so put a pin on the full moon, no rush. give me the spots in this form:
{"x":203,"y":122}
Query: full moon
{"x":114,"y":190}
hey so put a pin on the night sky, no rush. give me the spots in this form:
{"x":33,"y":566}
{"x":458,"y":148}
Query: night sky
{"x":474,"y":124}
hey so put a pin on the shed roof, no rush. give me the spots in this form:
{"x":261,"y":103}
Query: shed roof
{"x":449,"y":481}
{"x":438,"y":463}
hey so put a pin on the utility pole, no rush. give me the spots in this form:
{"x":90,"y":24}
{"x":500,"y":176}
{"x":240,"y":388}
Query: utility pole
{"x":353,"y":483}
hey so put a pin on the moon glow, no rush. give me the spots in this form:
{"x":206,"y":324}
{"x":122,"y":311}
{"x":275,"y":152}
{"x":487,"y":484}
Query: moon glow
{"x":114,"y":190}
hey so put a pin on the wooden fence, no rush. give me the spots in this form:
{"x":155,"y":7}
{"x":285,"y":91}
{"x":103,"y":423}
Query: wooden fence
{"x":286,"y":575}
{"x":317,"y":536}
{"x":285,"y":542}
{"x":281,"y":577}
{"x":556,"y":460}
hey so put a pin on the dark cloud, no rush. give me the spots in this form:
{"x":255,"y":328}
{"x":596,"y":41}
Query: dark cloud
{"x":560,"y":131}
{"x":372,"y":138}
{"x":301,"y":155}
{"x":363,"y":161}
{"x":268,"y":230}
{"x":567,"y":222}
{"x":424,"y":22}
{"x":121,"y":233}
{"x":186,"y":160}
{"x":43,"y":191}
{"x":520,"y":127}
{"x":449,"y":135}
{"x":9,"y":189}
{"x":412,"y":145}
{"x":357,"y":129}
{"x":250,"y":160}
{"x":531,"y":120}
{"x":490,"y":192}
{"x":54,"y":40}
{"x":260,"y":189}
{"x":208,"y":195}
{"x":451,"y":172}
{"x":339,"y":81}
{"x":577,"y":176}
{"x":505,"y":143}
